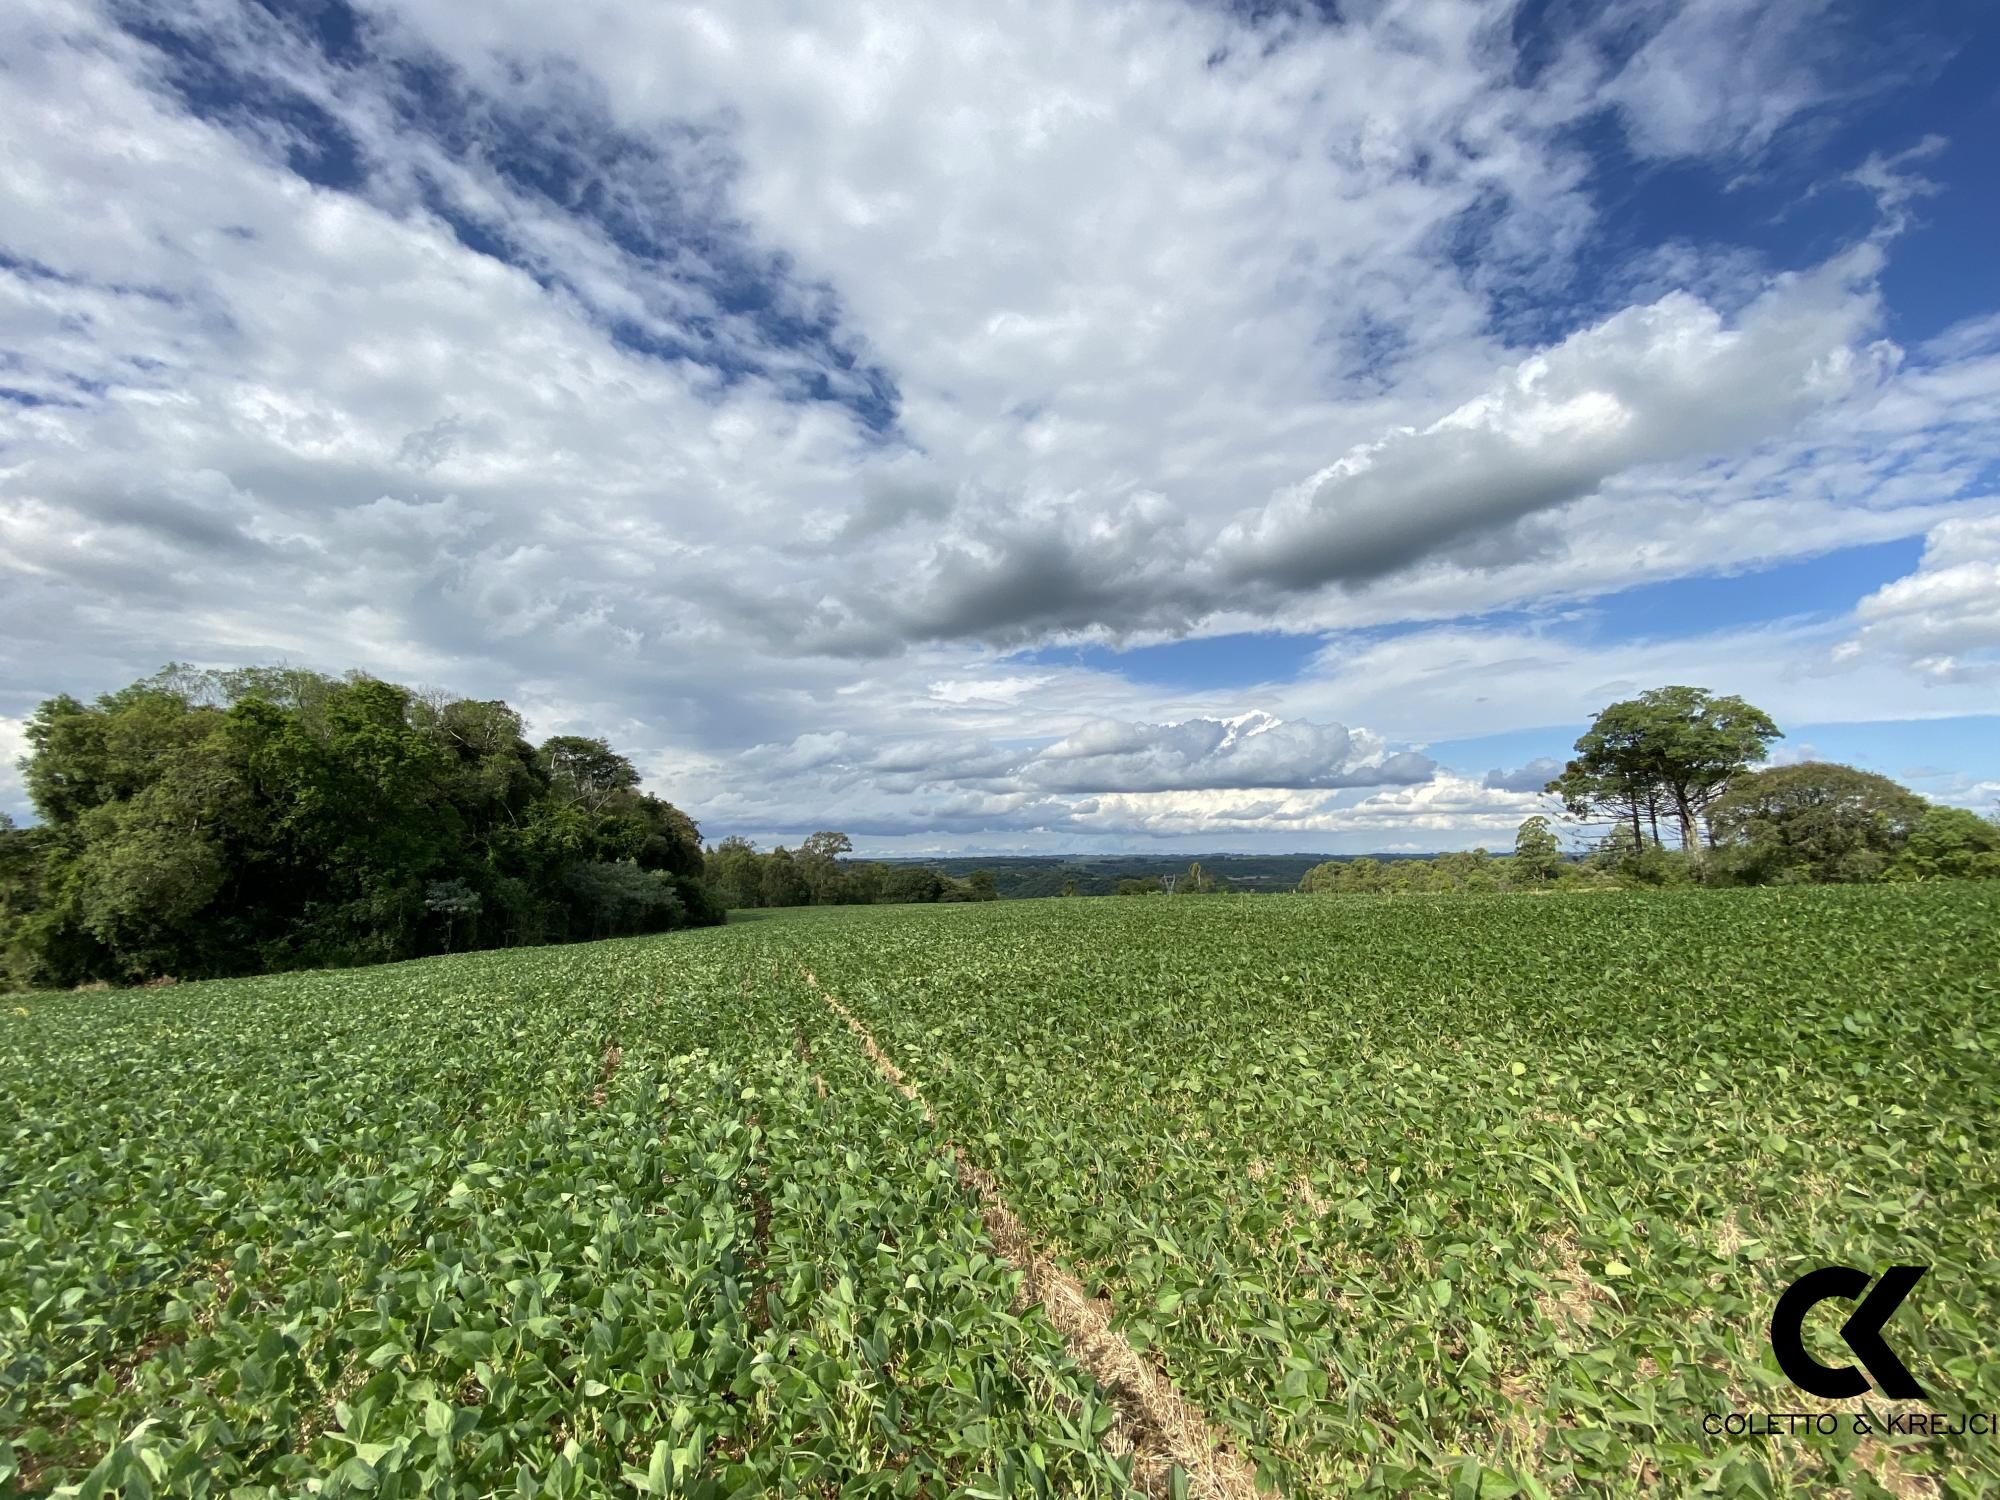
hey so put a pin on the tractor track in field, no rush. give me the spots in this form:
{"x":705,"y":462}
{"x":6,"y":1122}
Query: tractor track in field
{"x":1158,"y":1426}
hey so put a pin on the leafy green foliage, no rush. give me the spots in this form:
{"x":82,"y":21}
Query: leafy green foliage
{"x":1814,"y":822}
{"x":1950,"y":843}
{"x":814,"y":874}
{"x":1537,"y":851}
{"x":1462,"y":870}
{"x":198,"y":824}
{"x":1480,"y":1195}
{"x":396,"y":1232}
{"x":1670,"y":751}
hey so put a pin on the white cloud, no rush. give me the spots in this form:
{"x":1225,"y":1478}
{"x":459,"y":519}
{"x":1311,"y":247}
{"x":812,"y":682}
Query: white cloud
{"x":13,"y":745}
{"x":1101,"y":777}
{"x":1451,"y":809}
{"x":1190,"y":325}
{"x":1251,"y":751}
{"x":1531,"y":777}
{"x":1967,"y":338}
{"x":1944,"y":618}
{"x":1457,"y":681}
{"x":1648,"y":385}
{"x":1722,"y":77}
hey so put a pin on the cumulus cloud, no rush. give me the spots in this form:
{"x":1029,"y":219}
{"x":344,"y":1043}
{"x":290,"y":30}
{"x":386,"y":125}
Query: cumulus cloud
{"x":1453,"y":807}
{"x":1944,"y":618}
{"x":1101,"y":776}
{"x":1253,"y":751}
{"x":13,"y":746}
{"x":1671,"y":380}
{"x":758,"y":377}
{"x":1532,"y":777}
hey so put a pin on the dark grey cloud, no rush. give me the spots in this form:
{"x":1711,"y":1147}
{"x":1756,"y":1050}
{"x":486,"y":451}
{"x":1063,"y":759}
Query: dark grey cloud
{"x":1480,"y":489}
{"x":891,"y":501}
{"x":1532,"y":777}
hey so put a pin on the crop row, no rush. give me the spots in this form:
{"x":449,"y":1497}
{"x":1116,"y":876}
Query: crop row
{"x":560,"y":1223}
{"x":1485,"y":1196}
{"x":1476,"y":1197}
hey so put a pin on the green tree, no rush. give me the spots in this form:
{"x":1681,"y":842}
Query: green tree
{"x":451,"y":901}
{"x":616,"y":897}
{"x":819,"y":861}
{"x":493,"y":773}
{"x":1537,"y":852}
{"x":587,"y":771}
{"x":145,"y":879}
{"x":1461,"y":870}
{"x":1949,"y":843}
{"x":1673,"y":748}
{"x":784,"y":883}
{"x":913,"y":883}
{"x":735,"y":870}
{"x":1617,"y":849}
{"x":23,"y":861}
{"x":1702,"y":743}
{"x":865,"y":882}
{"x":1611,"y":776}
{"x":1815,"y":821}
{"x":1344,"y":875}
{"x":205,"y":823}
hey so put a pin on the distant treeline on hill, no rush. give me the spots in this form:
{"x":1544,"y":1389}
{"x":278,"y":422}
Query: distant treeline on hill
{"x":210,"y":823}
{"x":1669,"y":772}
{"x":815,"y":874}
{"x":1029,"y":875}
{"x":204,"y":823}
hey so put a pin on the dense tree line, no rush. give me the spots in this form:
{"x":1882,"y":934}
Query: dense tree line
{"x":1474,"y":870}
{"x":1671,"y":772}
{"x":1684,"y":755}
{"x":1814,"y":823}
{"x":815,"y":874}
{"x":1021,"y":876}
{"x":208,"y":823}
{"x":1194,"y":881}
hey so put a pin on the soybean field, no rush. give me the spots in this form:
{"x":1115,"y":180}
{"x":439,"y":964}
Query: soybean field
{"x":1463,"y":1196}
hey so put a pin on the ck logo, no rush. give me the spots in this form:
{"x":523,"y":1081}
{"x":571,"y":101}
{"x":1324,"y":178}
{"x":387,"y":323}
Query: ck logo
{"x":1862,"y":1332}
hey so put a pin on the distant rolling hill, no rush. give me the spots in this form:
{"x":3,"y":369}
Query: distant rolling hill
{"x":1021,"y":875}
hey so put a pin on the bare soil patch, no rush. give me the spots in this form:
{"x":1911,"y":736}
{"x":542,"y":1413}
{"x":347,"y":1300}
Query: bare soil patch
{"x":607,"y":1070}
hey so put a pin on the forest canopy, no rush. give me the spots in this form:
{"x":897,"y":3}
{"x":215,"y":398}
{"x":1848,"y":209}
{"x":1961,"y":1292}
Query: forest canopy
{"x":205,"y":823}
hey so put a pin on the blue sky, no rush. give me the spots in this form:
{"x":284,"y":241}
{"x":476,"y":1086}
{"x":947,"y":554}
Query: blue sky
{"x":1112,"y":425}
